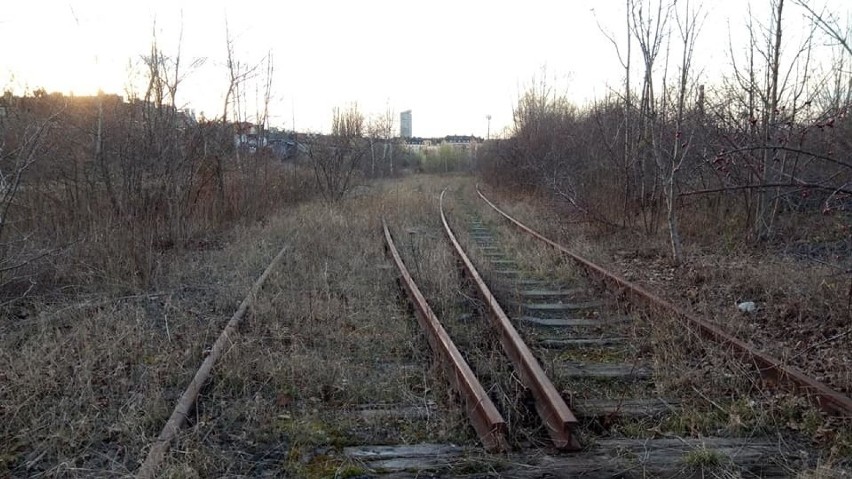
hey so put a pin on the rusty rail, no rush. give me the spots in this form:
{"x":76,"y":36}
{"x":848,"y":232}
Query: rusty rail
{"x":558,"y":418}
{"x":486,"y":420}
{"x":161,"y":445}
{"x":769,"y":367}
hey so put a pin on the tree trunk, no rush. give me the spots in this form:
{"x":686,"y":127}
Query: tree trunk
{"x":764,"y":212}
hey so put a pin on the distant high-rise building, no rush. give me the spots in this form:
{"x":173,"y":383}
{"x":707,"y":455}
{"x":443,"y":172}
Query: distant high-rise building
{"x":405,"y":124}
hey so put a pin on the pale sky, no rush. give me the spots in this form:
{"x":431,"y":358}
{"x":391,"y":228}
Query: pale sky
{"x":450,"y":62}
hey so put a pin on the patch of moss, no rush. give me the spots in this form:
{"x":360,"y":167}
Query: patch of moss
{"x":309,"y":431}
{"x":595,"y":355}
{"x":323,"y":466}
{"x":703,"y":458}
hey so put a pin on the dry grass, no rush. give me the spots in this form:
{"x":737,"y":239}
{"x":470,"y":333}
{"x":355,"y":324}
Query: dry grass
{"x":331,"y":334}
{"x":803,"y":305}
{"x":720,"y":395}
{"x":94,"y":249}
{"x":86,"y":385}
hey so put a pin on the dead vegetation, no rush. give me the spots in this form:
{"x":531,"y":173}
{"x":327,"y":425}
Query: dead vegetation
{"x":88,"y":384}
{"x":329,"y":356}
{"x":713,"y":196}
{"x":719,"y":394}
{"x":330,"y":339}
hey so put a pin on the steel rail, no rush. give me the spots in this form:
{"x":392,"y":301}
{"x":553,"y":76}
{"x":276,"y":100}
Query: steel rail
{"x":484,"y":417}
{"x":161,"y":445}
{"x":555,"y":414}
{"x":770,"y":368}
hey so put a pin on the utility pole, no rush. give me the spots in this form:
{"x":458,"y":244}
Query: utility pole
{"x":293,"y":113}
{"x":488,"y":134}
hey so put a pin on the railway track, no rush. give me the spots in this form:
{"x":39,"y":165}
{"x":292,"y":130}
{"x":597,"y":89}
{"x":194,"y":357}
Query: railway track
{"x":769,"y":368}
{"x":587,"y":373}
{"x":486,"y":420}
{"x":570,"y":386}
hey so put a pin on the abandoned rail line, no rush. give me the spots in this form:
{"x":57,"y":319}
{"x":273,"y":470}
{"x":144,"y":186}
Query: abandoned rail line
{"x":768,"y":367}
{"x":596,"y":333}
{"x":577,"y":358}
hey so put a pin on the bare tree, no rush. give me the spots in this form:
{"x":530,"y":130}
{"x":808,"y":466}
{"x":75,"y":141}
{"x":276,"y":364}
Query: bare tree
{"x":689,"y":24}
{"x":336,"y":156}
{"x":770,"y":138}
{"x":628,"y":154}
{"x":771,"y":110}
{"x":764,"y":217}
{"x":262,"y":116}
{"x":649,"y":26}
{"x":380,"y":131}
{"x":830,"y":25}
{"x":238,"y":74}
{"x":21,"y":146}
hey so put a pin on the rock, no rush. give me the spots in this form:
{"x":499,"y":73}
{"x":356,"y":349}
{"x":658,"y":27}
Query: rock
{"x":747,"y":307}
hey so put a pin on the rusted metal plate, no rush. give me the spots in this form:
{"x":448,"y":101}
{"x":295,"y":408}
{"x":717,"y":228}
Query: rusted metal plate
{"x":769,"y":367}
{"x":486,"y":420}
{"x":555,"y":414}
